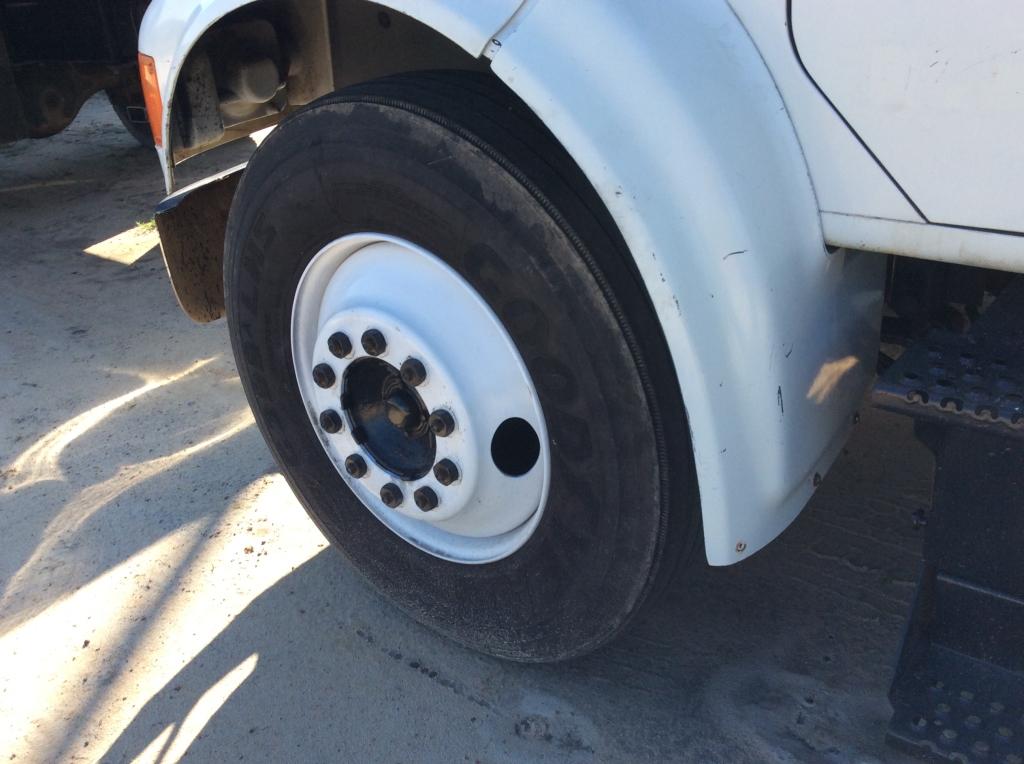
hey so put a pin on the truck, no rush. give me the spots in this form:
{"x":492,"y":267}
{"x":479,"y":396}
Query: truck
{"x":538,"y":302}
{"x":56,"y":54}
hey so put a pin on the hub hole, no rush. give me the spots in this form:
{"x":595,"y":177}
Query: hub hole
{"x":515,"y":447}
{"x":388,"y":418}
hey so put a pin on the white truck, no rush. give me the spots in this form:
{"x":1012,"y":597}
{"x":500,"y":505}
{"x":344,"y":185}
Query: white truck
{"x":536,"y":300}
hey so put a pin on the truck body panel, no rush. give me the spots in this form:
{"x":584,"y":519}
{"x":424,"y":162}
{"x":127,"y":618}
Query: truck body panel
{"x":938,"y":100}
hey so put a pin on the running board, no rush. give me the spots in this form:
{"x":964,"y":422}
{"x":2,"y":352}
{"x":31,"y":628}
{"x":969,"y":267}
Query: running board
{"x":958,"y":692}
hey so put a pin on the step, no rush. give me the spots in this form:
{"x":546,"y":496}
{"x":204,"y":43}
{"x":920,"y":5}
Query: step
{"x":958,"y":692}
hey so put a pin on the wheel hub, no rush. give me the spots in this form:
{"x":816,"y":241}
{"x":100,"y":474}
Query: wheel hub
{"x":443,"y":441}
{"x":388,"y":417}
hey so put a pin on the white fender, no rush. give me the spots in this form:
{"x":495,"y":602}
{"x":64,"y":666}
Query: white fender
{"x":171,"y":28}
{"x":672,"y":114}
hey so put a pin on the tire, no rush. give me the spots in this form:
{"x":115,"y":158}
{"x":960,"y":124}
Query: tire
{"x":454,"y":163}
{"x":139,"y":130}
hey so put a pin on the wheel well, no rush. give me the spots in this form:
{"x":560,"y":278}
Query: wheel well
{"x":271,"y":56}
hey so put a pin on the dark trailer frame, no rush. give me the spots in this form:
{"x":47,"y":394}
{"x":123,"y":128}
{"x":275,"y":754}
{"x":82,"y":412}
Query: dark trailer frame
{"x":55,"y":54}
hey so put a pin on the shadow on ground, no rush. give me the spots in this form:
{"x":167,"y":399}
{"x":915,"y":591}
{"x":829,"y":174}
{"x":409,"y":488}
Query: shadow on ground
{"x":784,"y":658}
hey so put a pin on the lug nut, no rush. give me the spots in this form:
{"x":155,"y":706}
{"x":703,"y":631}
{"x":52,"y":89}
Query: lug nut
{"x":425,"y":498}
{"x":391,"y":495}
{"x":441,"y":423}
{"x":339,"y":344}
{"x":413,"y":372}
{"x":374,"y":342}
{"x":355,"y":465}
{"x":323,"y":375}
{"x":446,"y":472}
{"x":330,"y":421}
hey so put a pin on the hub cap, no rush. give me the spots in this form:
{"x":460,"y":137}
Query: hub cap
{"x":441,"y":434}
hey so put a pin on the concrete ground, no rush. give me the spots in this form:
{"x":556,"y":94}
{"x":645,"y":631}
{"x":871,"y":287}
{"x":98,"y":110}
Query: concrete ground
{"x":163,"y":592}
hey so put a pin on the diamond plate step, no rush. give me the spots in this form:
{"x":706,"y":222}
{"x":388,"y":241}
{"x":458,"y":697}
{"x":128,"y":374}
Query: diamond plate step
{"x":958,"y":692}
{"x":976,"y":378}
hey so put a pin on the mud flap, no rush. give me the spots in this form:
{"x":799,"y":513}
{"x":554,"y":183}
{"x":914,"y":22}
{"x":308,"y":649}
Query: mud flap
{"x":192,"y":223}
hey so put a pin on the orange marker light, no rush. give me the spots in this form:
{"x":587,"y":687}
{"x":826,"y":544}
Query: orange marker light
{"x":151,"y":95}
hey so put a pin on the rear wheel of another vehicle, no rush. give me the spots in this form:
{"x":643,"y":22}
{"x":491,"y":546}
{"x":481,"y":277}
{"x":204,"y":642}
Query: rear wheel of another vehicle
{"x":455,"y":363}
{"x":132,"y":114}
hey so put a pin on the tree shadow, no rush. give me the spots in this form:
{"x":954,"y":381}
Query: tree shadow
{"x":785,"y":657}
{"x":85,"y":508}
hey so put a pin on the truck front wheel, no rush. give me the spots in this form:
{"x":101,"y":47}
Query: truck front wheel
{"x":456,"y":366}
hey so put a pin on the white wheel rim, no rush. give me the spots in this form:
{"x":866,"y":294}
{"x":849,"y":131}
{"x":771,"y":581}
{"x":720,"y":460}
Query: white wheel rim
{"x":427,"y":311}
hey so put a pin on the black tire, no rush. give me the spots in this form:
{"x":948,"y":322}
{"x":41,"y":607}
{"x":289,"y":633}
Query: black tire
{"x":456,"y":164}
{"x":132,"y":116}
